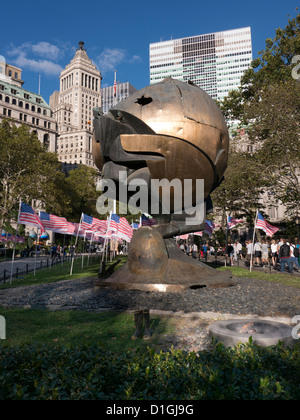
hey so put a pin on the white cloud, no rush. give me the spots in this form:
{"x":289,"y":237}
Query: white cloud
{"x":40,"y":66}
{"x":109,"y":59}
{"x":45,"y":49}
{"x":40,"y":57}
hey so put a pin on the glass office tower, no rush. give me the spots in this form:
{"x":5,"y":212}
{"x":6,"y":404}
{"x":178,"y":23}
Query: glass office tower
{"x":215,"y":62}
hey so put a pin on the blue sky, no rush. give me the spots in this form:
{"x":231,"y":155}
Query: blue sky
{"x":41,"y":36}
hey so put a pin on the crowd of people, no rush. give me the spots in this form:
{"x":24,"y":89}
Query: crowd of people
{"x":276,"y":253}
{"x":282,"y":252}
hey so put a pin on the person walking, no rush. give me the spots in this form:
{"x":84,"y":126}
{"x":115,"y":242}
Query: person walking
{"x":239,"y":250}
{"x":294,"y":259}
{"x":285,"y":256}
{"x":265,"y":252}
{"x":249,"y":248}
{"x":274,"y":252}
{"x":195,"y":250}
{"x":229,"y":252}
{"x":257,"y":252}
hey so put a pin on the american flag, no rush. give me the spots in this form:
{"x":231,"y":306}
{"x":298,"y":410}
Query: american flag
{"x":28,"y":216}
{"x":125,"y":231}
{"x":265,"y":226}
{"x":209,"y":227}
{"x":135,"y":225}
{"x":87,"y":222}
{"x":99,"y":225}
{"x":52,"y":222}
{"x":231,"y":222}
{"x":20,"y":240}
{"x":113,"y":222}
{"x":147,"y":221}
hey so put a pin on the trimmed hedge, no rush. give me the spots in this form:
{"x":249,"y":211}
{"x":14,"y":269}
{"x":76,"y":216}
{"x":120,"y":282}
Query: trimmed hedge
{"x":32,"y":372}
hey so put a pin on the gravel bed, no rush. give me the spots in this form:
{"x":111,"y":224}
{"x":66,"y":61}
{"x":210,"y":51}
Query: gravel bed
{"x":249,"y":296}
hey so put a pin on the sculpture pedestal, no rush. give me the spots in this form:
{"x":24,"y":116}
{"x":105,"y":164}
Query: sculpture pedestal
{"x":159,"y":265}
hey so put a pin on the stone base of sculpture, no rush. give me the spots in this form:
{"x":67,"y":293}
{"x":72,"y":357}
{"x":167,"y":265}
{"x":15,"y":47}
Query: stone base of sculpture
{"x":155,"y":264}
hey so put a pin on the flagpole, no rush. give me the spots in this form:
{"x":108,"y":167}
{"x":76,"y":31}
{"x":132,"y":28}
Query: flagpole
{"x":14,"y":251}
{"x":251,"y":261}
{"x":36,"y":245}
{"x":72,"y":263}
{"x":105,"y":241}
{"x":226,"y":239}
{"x":83,"y":248}
{"x":90,"y":247}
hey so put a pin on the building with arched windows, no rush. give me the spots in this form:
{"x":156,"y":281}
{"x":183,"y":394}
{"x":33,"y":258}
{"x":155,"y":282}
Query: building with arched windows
{"x":25,"y":107}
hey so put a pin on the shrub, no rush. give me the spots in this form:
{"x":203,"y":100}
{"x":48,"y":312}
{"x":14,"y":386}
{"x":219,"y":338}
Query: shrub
{"x":244,"y":372}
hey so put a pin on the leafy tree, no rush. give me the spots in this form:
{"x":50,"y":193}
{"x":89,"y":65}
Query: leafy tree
{"x":273,"y":65}
{"x":276,"y":135}
{"x":240,"y":192}
{"x":80,"y":194}
{"x":27,"y":170}
{"x":268,"y":103}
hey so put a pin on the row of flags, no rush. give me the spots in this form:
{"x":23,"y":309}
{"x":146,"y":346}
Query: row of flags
{"x":260,"y":223}
{"x":89,"y":227}
{"x":8,"y":237}
{"x":117,"y":226}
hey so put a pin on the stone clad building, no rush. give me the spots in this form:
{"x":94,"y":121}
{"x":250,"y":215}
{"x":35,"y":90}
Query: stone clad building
{"x":72,"y":107}
{"x":23,"y":106}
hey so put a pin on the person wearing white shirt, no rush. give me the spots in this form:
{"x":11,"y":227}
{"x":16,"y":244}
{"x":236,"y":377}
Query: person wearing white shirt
{"x":249,"y":247}
{"x":274,"y":252}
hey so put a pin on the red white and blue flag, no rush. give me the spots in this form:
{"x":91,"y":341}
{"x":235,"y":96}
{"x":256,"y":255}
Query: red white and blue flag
{"x":27,"y":216}
{"x":209,"y":227}
{"x":265,"y":226}
{"x":231,"y":222}
{"x":148,"y":221}
{"x":114,"y":222}
{"x":54,"y":223}
{"x":125,"y":231}
{"x":87,"y":222}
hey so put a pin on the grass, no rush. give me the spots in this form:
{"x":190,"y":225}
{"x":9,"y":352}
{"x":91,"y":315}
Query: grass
{"x":111,"y":331}
{"x":285,"y":279}
{"x":60,"y":272}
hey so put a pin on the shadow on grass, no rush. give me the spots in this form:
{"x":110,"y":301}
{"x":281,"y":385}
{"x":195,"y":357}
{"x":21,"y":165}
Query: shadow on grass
{"x":111,"y":330}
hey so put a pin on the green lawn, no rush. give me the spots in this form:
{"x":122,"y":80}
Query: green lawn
{"x":111,"y":331}
{"x":285,"y":279}
{"x":61,"y":272}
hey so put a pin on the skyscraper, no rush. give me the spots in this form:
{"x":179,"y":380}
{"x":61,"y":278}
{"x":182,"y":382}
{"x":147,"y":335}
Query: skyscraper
{"x":112,"y":95}
{"x":72,"y":107}
{"x":215,"y":62}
